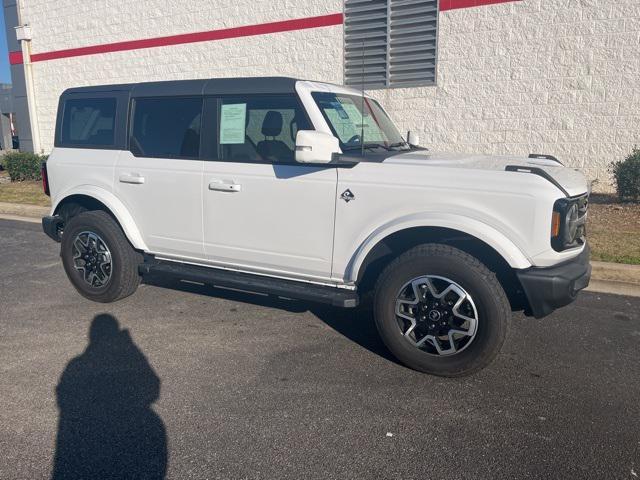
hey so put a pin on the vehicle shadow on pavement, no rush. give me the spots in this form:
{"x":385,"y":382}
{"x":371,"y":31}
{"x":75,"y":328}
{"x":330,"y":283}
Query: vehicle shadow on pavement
{"x":107,"y":428}
{"x":355,"y":324}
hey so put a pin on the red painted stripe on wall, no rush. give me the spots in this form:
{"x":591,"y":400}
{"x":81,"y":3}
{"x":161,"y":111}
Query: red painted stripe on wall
{"x":15,"y":58}
{"x":455,"y":4}
{"x":235,"y":32}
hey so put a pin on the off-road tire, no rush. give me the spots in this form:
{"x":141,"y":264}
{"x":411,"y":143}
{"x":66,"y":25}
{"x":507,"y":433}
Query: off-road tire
{"x":493,"y":308}
{"x":124,"y":278}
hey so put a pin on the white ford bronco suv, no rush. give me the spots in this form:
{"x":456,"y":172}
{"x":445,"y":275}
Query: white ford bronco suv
{"x":307,"y":190}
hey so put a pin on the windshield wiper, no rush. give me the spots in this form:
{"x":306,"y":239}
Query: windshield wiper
{"x":366,"y":146}
{"x":400,"y":144}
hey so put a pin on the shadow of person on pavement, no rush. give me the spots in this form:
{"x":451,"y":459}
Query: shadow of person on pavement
{"x":107,"y":428}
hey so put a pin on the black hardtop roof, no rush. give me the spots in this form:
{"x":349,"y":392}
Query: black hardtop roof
{"x":213,"y":86}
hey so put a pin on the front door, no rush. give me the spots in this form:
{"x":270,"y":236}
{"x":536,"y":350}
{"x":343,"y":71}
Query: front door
{"x":262,"y":211}
{"x":159,"y":179}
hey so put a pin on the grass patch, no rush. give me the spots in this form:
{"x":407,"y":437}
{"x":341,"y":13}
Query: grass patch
{"x":22,"y":192}
{"x":613,"y":230}
{"x":621,"y":248}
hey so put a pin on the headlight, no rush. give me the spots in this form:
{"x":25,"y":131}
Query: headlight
{"x":568,"y":226}
{"x":571,"y":224}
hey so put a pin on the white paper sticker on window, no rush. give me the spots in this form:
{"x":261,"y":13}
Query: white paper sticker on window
{"x":372,"y":132}
{"x":232,"y":123}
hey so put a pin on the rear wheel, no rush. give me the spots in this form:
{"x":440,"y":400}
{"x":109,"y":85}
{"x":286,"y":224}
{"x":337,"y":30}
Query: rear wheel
{"x":98,"y":259}
{"x":440,"y":310}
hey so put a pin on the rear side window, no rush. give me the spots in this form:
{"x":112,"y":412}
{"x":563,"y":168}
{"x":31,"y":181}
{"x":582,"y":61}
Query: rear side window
{"x":89,"y":122}
{"x":166,"y":127}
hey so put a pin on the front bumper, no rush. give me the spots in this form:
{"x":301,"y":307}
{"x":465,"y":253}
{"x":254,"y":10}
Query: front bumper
{"x":550,"y":288}
{"x":52,"y":226}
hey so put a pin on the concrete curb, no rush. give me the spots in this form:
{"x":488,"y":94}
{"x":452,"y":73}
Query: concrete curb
{"x":616,"y":288}
{"x":613,"y":278}
{"x":22,"y":210}
{"x":17,"y":218}
{"x":616,"y":272}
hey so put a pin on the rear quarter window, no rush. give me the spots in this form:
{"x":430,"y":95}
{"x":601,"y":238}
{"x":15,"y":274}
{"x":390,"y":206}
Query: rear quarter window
{"x":89,"y":122}
{"x":167,"y":127}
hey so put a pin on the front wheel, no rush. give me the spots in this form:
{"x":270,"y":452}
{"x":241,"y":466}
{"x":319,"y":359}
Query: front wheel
{"x":99,"y":260}
{"x":441,"y":311}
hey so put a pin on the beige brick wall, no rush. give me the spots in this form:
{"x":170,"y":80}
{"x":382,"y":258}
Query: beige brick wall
{"x":545,"y":76}
{"x":66,"y":24}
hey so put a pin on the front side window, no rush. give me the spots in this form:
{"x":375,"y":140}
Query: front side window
{"x":89,"y":122}
{"x":166,"y":127}
{"x":356,"y":121}
{"x":259,"y":128}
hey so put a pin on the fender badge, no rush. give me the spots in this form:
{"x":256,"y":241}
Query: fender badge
{"x":347,"y":196}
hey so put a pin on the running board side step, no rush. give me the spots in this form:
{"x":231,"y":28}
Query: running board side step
{"x":254,"y":283}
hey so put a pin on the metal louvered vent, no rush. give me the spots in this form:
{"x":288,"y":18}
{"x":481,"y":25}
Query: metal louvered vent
{"x":390,"y":43}
{"x":366,"y":35}
{"x":414,"y":33}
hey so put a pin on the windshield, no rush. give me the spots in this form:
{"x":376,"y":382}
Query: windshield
{"x":344,"y":114}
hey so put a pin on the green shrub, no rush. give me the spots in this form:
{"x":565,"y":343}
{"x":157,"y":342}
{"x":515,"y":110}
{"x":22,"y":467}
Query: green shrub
{"x":23,"y":166}
{"x":626,"y":174}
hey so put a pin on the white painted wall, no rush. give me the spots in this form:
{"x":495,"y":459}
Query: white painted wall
{"x":545,"y":76}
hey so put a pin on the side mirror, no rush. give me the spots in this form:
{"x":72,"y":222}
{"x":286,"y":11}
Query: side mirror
{"x":413,"y":139}
{"x":315,"y":147}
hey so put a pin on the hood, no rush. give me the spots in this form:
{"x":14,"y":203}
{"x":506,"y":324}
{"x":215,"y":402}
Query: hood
{"x":569,"y":180}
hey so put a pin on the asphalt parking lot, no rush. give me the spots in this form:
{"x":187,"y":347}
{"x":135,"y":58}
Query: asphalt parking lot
{"x":228,"y":385}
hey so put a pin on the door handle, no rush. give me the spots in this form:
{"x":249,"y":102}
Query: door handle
{"x":133,"y":178}
{"x":220,"y":186}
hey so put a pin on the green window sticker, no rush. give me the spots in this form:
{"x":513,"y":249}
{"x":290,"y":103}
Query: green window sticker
{"x":232,"y":123}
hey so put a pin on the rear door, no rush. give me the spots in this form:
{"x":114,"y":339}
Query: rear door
{"x":159,"y":178}
{"x":90,"y":134}
{"x":263,"y":211}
